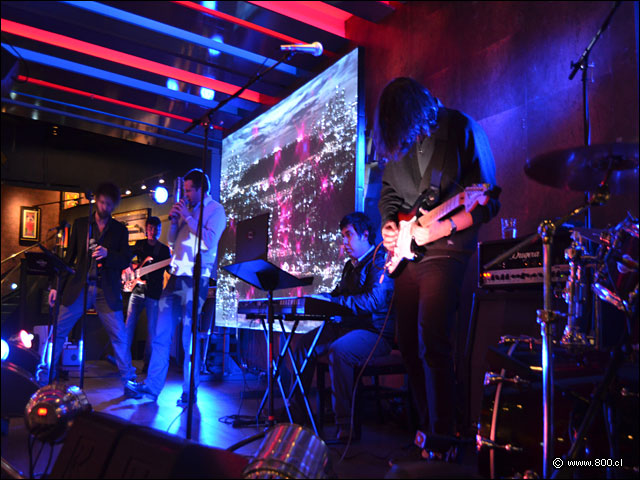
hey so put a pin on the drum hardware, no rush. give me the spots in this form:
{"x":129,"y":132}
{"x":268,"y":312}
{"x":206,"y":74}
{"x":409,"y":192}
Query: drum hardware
{"x":574,"y":293}
{"x":616,"y":279}
{"x":626,"y":393}
{"x":487,"y":443}
{"x":520,"y":339}
{"x":491,"y":378}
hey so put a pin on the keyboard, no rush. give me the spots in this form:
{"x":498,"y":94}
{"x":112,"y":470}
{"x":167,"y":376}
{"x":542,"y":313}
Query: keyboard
{"x":309,"y":307}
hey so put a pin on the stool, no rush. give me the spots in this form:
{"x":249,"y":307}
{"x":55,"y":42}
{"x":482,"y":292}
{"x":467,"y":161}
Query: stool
{"x":391,"y":364}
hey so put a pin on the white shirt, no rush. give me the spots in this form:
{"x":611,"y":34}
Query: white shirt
{"x":183,"y":238}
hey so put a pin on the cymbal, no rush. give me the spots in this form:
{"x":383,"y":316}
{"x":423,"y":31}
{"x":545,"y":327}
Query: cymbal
{"x":583,"y":168}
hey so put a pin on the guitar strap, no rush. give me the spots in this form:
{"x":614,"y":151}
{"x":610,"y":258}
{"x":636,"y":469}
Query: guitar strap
{"x":430,"y":185}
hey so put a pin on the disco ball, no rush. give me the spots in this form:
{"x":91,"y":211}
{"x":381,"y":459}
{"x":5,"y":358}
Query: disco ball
{"x":50,"y":412}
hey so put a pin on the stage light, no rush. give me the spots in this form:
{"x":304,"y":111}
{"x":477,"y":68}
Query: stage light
{"x":14,"y":286}
{"x":207,"y":93}
{"x":143,"y":187}
{"x":172,"y":84}
{"x":127,"y":192}
{"x":161,"y":180}
{"x":160,"y":195}
{"x":26,"y":338}
{"x":210,"y":5}
{"x":51,"y":410}
{"x":5,"y":350}
{"x":216,"y":38}
{"x":289,"y":451}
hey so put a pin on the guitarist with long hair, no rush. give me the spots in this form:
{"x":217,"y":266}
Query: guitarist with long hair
{"x":435,"y":159}
{"x":146,"y":289}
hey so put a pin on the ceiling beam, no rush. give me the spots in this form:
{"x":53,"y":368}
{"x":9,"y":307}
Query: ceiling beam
{"x":164,"y":29}
{"x":115,"y":101}
{"x":102,"y":112}
{"x":317,"y":14}
{"x":139,"y":63}
{"x":55,"y":62}
{"x":96,"y":121}
{"x":243,"y":23}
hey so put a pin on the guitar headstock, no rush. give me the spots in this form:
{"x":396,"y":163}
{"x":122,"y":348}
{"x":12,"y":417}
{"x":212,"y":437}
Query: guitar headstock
{"x":479,"y":194}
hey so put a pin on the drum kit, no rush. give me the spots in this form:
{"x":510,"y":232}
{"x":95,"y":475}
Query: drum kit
{"x":571,"y":375}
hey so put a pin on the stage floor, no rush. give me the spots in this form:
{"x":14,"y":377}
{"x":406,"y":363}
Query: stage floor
{"x":367,"y":458}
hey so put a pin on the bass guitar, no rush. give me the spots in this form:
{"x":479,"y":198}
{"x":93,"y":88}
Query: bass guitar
{"x":131,"y":279}
{"x":406,"y":249}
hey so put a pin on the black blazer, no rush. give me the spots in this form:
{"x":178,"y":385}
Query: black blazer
{"x":116,"y":241}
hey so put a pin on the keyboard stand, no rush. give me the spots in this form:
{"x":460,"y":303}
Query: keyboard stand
{"x":266,"y":276}
{"x":297,"y":370}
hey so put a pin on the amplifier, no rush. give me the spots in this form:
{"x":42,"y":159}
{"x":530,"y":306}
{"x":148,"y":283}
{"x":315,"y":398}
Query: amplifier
{"x":524,"y":267}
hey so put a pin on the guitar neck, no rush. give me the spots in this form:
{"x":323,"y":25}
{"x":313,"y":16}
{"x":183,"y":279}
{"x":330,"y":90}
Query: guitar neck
{"x":442,"y":210}
{"x":151,"y":268}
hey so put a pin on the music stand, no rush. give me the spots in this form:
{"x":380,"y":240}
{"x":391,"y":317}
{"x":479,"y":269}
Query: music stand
{"x":57,"y":265}
{"x":266,"y":276}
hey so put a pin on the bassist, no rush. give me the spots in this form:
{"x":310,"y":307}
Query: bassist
{"x":432,"y":149}
{"x":147,"y":289}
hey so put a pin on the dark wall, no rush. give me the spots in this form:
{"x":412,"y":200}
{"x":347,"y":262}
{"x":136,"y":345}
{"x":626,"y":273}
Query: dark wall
{"x":74,"y":159}
{"x":507,"y":65}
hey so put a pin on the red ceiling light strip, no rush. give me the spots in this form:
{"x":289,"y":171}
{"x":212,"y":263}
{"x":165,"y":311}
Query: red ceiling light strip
{"x":317,"y":14}
{"x":132,"y":61}
{"x":244,"y":23}
{"x":93,"y":96}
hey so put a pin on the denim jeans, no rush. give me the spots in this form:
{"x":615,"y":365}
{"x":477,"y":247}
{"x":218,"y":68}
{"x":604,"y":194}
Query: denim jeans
{"x":175,"y":305}
{"x":136,"y":303}
{"x":346,"y":348}
{"x":113,"y":322}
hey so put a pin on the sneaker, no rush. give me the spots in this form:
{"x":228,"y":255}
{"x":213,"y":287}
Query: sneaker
{"x":183,"y":401}
{"x":141,"y":389}
{"x":130,"y":392}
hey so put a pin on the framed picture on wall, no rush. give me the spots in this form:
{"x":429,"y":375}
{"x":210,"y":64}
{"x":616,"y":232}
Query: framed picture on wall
{"x":135,"y":221}
{"x":29,"y":225}
{"x":71,"y":199}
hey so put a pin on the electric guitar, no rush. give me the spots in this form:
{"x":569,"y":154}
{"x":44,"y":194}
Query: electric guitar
{"x":130,"y":280}
{"x":406,"y":249}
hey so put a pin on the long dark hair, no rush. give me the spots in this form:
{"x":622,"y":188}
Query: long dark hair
{"x":405,"y":110}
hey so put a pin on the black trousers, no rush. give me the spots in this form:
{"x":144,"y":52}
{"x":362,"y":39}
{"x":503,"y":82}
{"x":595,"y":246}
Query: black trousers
{"x":426,"y":300}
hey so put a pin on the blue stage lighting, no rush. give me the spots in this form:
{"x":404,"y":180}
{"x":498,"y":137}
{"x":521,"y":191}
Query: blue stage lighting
{"x":216,"y":38}
{"x":5,"y":350}
{"x":172,"y":84}
{"x":210,"y":5}
{"x":160,"y":195}
{"x":207,"y":93}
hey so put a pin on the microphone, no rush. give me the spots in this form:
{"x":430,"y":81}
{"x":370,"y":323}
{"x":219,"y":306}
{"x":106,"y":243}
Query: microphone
{"x":178,"y":185}
{"x":314,"y":48}
{"x":63,"y":224}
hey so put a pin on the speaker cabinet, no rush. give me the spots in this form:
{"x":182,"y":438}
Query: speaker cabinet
{"x":103,"y":446}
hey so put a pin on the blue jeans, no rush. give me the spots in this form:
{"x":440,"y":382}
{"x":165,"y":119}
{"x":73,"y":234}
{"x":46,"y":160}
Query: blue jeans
{"x":136,"y":303}
{"x":176,"y":304}
{"x":113,"y":322}
{"x":346,"y":349}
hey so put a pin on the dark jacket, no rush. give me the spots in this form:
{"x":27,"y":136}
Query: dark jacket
{"x":360,"y":290}
{"x":116,"y":241}
{"x":465,"y":154}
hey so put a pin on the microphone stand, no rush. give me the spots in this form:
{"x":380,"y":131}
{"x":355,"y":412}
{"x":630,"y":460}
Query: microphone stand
{"x":583,"y":64}
{"x":205,"y":121}
{"x":88,"y":196}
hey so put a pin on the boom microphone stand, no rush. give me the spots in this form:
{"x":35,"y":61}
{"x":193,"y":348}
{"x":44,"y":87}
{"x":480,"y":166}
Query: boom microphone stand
{"x":205,"y":121}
